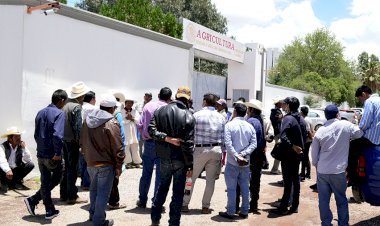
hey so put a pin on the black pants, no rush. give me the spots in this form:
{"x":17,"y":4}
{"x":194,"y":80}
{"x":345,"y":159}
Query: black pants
{"x":51,"y":175}
{"x":305,"y":169}
{"x":356,"y":146}
{"x":68,"y":189}
{"x":18,"y":174}
{"x":290,"y":170}
{"x":114,"y":196}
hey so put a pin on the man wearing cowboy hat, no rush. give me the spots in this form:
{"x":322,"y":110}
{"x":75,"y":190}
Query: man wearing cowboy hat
{"x":276,"y":118}
{"x":73,"y":124}
{"x":15,"y":159}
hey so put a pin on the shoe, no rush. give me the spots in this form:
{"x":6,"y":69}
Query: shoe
{"x":140,"y":204}
{"x":293,"y":210}
{"x":185,"y":209}
{"x":314,"y":187}
{"x":302,"y":179}
{"x":117,"y":206}
{"x":279,"y":211}
{"x":76,"y":201}
{"x":155,"y":223}
{"x":128,"y":166}
{"x":226,"y":215}
{"x":277,"y":172}
{"x":30,"y":206}
{"x":137,"y":166}
{"x":244,"y":216}
{"x":20,"y":186}
{"x":51,"y":214}
{"x":108,"y":222}
{"x":205,"y":210}
{"x":253,"y":210}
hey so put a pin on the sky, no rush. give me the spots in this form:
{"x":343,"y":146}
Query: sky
{"x":275,"y":23}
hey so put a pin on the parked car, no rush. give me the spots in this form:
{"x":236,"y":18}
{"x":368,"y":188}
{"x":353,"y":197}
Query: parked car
{"x":359,"y":111}
{"x":317,"y":118}
{"x":369,"y":169}
{"x":349,"y":115}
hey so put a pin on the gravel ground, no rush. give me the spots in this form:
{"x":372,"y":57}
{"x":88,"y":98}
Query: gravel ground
{"x":13,"y":210}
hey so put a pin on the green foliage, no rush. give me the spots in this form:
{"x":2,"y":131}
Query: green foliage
{"x":63,"y":1}
{"x":144,"y":14}
{"x":368,"y":70}
{"x":316,"y":64}
{"x":312,"y":101}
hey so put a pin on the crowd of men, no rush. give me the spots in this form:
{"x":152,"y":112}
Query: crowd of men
{"x":181,"y":144}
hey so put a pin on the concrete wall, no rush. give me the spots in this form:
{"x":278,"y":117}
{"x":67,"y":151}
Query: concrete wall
{"x":39,"y":54}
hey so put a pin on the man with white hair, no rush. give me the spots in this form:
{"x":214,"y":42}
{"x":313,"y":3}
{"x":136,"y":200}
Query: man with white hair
{"x":102,"y":147}
{"x":15,"y":159}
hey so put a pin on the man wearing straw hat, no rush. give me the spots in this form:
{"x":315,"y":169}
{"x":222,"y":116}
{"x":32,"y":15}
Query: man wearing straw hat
{"x":73,"y":124}
{"x":15,"y":159}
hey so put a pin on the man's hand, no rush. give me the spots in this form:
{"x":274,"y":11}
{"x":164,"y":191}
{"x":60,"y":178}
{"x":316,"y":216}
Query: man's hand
{"x":189,"y":173}
{"x":57,"y":158}
{"x":297,"y":149}
{"x":173,"y":141}
{"x":22,"y":144}
{"x":117,"y":173}
{"x":9,"y":175}
{"x":130,"y":117}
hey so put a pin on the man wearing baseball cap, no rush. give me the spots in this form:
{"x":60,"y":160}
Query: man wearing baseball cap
{"x":172,"y":128}
{"x":103,"y":150}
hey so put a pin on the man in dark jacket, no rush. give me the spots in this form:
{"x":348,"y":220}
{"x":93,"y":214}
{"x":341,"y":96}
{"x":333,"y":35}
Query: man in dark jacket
{"x":48,"y":134}
{"x":293,"y":136}
{"x":172,"y":127}
{"x":103,"y":150}
{"x":276,"y":118}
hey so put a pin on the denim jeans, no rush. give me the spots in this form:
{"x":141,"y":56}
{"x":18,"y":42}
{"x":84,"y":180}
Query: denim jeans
{"x":51,"y":175}
{"x":234,"y":175}
{"x":83,"y":172}
{"x":337,"y":184}
{"x":18,"y":174}
{"x":150,"y":159}
{"x":68,"y":189}
{"x":100,"y":189}
{"x":170,"y":169}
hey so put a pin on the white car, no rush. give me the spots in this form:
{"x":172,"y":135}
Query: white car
{"x":317,"y":118}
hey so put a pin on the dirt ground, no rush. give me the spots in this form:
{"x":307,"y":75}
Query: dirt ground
{"x":14,"y":212}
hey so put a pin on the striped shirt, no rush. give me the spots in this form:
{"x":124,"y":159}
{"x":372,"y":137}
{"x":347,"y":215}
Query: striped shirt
{"x":209,"y":126}
{"x":370,"y":121}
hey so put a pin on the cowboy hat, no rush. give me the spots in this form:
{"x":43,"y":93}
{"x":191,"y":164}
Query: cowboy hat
{"x":120,"y":96}
{"x":253,"y":103}
{"x":77,"y":89}
{"x":12,"y":131}
{"x":278,"y":99}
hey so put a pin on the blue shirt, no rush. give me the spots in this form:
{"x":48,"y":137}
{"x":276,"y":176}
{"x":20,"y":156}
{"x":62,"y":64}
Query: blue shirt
{"x":240,"y":138}
{"x":370,"y":121}
{"x":329,"y":149}
{"x":49,"y":131}
{"x":119,"y":118}
{"x":257,"y":125}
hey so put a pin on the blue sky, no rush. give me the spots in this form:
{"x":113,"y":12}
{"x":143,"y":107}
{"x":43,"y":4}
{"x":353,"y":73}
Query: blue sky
{"x":275,"y":23}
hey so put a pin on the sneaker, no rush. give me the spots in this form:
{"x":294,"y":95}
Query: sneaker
{"x":30,"y":206}
{"x":51,"y":214}
{"x":109,"y":222}
{"x":76,"y":201}
{"x":185,"y":209}
{"x":140,"y":204}
{"x":117,"y":206}
{"x":205,"y":210}
{"x":226,"y":215}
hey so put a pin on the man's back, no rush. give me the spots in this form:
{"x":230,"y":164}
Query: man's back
{"x":370,"y":121}
{"x":209,"y":126}
{"x":330,"y":146}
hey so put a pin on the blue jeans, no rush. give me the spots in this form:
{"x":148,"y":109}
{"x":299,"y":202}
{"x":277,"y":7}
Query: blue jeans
{"x":68,"y":189}
{"x":51,"y":175}
{"x":337,"y":184}
{"x":150,"y":159}
{"x":170,"y":169}
{"x":83,"y":172}
{"x":100,"y":189}
{"x":234,"y":175}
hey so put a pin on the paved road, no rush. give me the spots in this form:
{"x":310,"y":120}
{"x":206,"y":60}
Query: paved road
{"x":13,"y":211}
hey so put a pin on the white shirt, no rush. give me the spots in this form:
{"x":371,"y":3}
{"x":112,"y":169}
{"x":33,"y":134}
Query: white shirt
{"x":11,"y":163}
{"x":130,"y":128}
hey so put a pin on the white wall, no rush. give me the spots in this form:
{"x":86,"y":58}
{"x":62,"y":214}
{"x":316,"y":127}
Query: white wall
{"x":40,"y":54}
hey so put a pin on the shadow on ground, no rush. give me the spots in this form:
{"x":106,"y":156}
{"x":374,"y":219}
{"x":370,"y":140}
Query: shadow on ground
{"x":370,"y":222}
{"x":38,"y":218}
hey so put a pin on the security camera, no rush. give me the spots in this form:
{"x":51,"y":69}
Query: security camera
{"x":50,"y":11}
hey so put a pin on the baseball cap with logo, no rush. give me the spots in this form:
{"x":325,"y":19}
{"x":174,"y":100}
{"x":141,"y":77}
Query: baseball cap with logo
{"x":184,"y":92}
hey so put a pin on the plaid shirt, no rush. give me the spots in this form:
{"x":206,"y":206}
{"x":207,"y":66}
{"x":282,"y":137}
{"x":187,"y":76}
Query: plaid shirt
{"x":209,"y":126}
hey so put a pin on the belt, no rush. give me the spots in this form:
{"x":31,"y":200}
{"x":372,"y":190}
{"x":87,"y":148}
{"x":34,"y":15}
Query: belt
{"x":208,"y":145}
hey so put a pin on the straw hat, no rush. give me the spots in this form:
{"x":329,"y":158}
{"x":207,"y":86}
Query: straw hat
{"x":278,"y":99}
{"x":120,"y":96}
{"x":253,"y":103}
{"x":77,"y":89}
{"x":12,"y":131}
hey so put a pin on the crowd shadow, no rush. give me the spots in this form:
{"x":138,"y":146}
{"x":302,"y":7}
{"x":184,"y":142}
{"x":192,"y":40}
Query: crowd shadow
{"x":276,"y":184}
{"x":218,"y":218}
{"x":196,"y":212}
{"x":369,"y":222}
{"x":38,"y":218}
{"x":138,"y":210}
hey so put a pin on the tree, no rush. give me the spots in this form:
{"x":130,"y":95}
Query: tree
{"x":369,"y":70}
{"x":316,"y":64}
